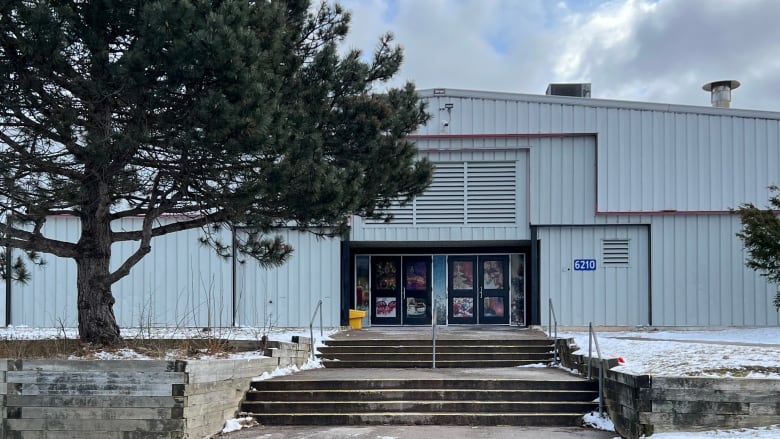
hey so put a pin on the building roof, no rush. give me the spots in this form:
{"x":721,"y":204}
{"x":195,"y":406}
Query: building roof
{"x":596,"y":103}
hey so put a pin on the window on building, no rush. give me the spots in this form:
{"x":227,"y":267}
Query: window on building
{"x":615,"y":252}
{"x":464,"y":193}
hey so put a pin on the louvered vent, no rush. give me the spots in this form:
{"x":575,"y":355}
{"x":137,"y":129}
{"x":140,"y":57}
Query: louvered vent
{"x":400,"y":215}
{"x":491,"y":196}
{"x":442,"y":202}
{"x":463,"y":193}
{"x":615,"y":253}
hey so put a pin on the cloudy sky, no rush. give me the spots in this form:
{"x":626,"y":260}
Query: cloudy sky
{"x":637,"y":50}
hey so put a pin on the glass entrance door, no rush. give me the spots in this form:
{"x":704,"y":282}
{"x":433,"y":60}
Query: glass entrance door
{"x":385,"y":290}
{"x":493,"y":289}
{"x":417,"y":288}
{"x":462,"y":290}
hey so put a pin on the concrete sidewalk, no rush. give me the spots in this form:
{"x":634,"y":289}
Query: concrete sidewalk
{"x":417,"y":432}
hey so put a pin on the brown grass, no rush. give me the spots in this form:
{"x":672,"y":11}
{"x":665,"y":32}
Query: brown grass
{"x":60,"y":348}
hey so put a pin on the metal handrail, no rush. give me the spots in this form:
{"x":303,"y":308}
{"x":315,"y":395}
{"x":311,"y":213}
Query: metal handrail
{"x":317,"y":309}
{"x":550,"y":319}
{"x":592,"y":339}
{"x":433,"y":337}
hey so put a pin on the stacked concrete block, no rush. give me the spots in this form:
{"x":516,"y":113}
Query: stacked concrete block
{"x":698,"y":403}
{"x":643,"y":404}
{"x":127,"y":399}
{"x":91,"y":399}
{"x":215,"y":391}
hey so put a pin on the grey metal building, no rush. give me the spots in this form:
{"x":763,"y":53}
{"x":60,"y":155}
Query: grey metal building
{"x":618,"y":212}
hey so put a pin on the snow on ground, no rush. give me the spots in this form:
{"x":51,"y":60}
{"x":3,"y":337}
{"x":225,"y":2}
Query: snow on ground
{"x":752,"y":352}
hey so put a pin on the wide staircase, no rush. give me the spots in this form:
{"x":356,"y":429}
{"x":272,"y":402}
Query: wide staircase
{"x":378,"y":380}
{"x":465,"y":353}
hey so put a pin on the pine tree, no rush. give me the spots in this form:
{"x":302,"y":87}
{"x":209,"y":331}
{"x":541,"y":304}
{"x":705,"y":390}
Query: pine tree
{"x":761,"y":236}
{"x":222,"y":112}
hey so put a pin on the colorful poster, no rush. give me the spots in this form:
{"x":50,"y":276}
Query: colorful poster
{"x":493,"y":275}
{"x":462,"y":275}
{"x":463,"y":307}
{"x":493,"y":307}
{"x":385,"y":307}
{"x":415,"y":307}
{"x":416,"y":276}
{"x":386,"y":275}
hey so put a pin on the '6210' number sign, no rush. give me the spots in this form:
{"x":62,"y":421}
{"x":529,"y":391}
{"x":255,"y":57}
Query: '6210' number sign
{"x":584,"y":264}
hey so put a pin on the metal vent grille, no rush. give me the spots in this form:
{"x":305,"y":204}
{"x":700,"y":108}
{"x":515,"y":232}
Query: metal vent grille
{"x":615,"y":252}
{"x":463,"y":193}
{"x":491,"y":192}
{"x":443,"y":201}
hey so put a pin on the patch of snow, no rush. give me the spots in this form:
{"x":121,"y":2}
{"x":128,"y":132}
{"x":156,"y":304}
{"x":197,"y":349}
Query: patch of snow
{"x":771,"y":432}
{"x":289,"y":370}
{"x":751,"y":353}
{"x":236,"y":424}
{"x":534,"y":365}
{"x":593,"y":420}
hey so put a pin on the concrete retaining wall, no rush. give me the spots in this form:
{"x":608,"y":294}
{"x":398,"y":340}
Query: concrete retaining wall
{"x":644,"y":404}
{"x":126,"y":399}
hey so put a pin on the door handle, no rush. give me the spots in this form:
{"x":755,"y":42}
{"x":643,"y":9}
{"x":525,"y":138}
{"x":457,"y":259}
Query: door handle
{"x":480,"y":292}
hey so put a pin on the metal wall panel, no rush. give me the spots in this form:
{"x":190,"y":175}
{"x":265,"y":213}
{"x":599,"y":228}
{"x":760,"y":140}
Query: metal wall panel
{"x":651,"y":157}
{"x":605,"y":296}
{"x":563,"y":180}
{"x":389,"y":232}
{"x":286,"y":296}
{"x":184,"y":284}
{"x":699,"y":275}
{"x":180,"y":283}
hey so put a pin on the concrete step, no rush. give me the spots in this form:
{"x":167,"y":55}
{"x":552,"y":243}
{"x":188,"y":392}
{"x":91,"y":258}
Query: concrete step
{"x":414,"y":418}
{"x":535,"y":357}
{"x":509,"y":396}
{"x":473,"y":363}
{"x":483,"y":384}
{"x":450,"y":353}
{"x":453,"y":349}
{"x":428,"y":394}
{"x":442,"y":342}
{"x":400,"y":407}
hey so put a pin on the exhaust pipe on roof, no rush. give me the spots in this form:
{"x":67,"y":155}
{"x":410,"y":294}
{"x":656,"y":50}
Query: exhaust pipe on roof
{"x":721,"y":92}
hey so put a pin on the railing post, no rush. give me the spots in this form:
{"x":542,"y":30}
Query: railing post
{"x":601,"y":389}
{"x":433,"y":337}
{"x":590,"y":350}
{"x":552,"y":318}
{"x":317,"y":309}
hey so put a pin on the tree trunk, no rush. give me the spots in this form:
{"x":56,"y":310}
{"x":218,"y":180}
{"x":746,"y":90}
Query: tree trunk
{"x":97,"y":323}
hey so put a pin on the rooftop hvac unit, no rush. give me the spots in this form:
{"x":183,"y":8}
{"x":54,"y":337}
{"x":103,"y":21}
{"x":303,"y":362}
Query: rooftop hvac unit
{"x":578,"y":90}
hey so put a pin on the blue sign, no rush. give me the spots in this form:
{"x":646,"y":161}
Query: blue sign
{"x":584,"y":264}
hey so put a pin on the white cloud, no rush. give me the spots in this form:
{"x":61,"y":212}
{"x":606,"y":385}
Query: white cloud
{"x":647,"y":50}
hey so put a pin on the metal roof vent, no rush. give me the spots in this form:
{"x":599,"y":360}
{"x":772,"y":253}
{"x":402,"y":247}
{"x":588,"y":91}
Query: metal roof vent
{"x":721,"y":92}
{"x":577,"y":90}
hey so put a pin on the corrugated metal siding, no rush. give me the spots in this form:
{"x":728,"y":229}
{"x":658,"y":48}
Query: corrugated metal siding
{"x":392,"y":232}
{"x":650,"y":157}
{"x":181,"y":282}
{"x":286,"y":296}
{"x":563,"y":178}
{"x":700,"y":277}
{"x":605,"y":296}
{"x":184,"y":284}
